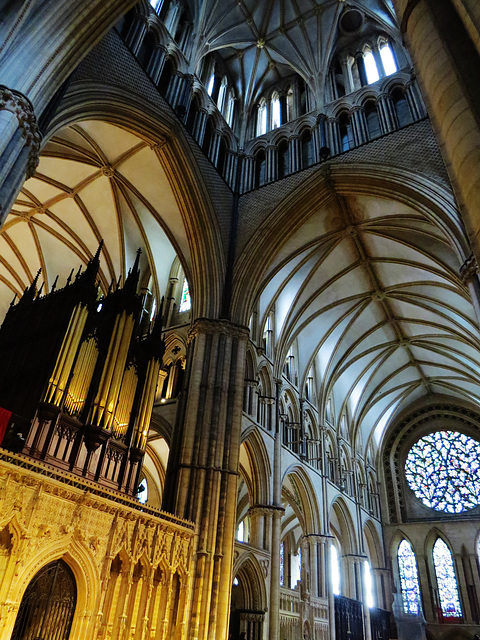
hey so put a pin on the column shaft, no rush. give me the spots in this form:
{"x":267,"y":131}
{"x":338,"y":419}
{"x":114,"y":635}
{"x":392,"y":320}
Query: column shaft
{"x":201,"y":479}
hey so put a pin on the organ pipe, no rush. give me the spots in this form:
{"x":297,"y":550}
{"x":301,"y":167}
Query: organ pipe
{"x":82,"y":377}
{"x":66,"y":356}
{"x":111,"y":380}
{"x":125,"y":403}
{"x":146,"y":404}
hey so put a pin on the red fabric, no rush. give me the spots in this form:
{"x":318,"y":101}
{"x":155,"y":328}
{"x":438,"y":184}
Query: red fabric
{"x":4,"y":420}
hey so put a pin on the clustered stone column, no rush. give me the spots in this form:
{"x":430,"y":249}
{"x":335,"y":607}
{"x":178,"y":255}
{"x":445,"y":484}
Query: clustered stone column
{"x":202,"y":473}
{"x":448,"y":67}
{"x":19,"y":145}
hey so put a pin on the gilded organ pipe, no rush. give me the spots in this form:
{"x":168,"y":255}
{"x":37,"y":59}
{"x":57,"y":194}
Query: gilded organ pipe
{"x":146,"y":404}
{"x":61,"y":373}
{"x":112,"y":374}
{"x":82,"y":377}
{"x":125,"y":403}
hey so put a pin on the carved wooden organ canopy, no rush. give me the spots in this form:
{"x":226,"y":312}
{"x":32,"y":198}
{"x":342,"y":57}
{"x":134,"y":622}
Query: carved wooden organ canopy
{"x":78,"y":377}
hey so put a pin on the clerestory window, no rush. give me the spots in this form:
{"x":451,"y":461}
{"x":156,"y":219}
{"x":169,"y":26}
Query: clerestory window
{"x":388,"y":60}
{"x":370,"y":67}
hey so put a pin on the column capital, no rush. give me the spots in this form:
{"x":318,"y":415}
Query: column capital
{"x":318,"y":537}
{"x":264,"y":510}
{"x":354,"y":558}
{"x":213,"y":327}
{"x":469,"y":269}
{"x":18,"y":104}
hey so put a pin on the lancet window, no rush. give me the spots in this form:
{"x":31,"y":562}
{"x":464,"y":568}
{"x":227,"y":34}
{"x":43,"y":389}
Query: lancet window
{"x":185,"y":300}
{"x":446,"y":580}
{"x":407,"y":568}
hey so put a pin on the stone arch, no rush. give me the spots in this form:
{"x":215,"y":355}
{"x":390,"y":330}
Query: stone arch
{"x":430,"y":539}
{"x":305,"y":504}
{"x":247,"y":568}
{"x":397,"y":538}
{"x":265,"y":376}
{"x":81,"y":563}
{"x":158,"y":129}
{"x":373,"y":545}
{"x":289,"y":404}
{"x":250,"y":363}
{"x":341,"y":521}
{"x":390,"y":83}
{"x":249,"y":595}
{"x":260,"y":465}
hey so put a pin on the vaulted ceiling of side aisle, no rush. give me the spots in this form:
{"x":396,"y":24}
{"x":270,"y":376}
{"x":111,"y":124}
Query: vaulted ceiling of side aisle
{"x":369,"y":295}
{"x":263,"y":42}
{"x":95,"y":181}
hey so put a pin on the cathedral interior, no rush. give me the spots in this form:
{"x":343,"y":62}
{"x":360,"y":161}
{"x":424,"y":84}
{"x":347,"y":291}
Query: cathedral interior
{"x":240,"y":320}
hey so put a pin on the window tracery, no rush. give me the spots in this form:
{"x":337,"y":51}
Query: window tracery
{"x":443,"y":471}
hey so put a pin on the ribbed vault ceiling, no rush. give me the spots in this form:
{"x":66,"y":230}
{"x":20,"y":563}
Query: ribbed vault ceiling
{"x":95,"y":181}
{"x":369,"y":295}
{"x":263,"y":42}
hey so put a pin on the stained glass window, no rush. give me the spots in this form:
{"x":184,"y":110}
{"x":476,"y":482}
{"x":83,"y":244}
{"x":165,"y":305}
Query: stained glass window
{"x":185,"y":301}
{"x":446,"y":580}
{"x":443,"y":470}
{"x":407,"y":567}
{"x":282,"y":564}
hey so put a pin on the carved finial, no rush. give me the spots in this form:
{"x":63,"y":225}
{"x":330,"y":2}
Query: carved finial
{"x":54,"y":285}
{"x":133,"y":275}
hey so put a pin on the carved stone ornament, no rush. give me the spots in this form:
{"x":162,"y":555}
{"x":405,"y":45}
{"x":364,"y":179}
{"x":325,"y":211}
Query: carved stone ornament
{"x":22,"y":108}
{"x":204,"y":325}
{"x":468,"y":269}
